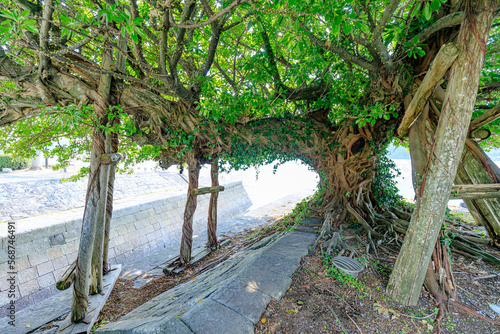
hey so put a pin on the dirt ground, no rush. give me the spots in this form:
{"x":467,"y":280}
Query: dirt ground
{"x":321,"y":303}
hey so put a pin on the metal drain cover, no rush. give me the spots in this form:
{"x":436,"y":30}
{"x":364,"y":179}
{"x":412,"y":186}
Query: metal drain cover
{"x":348,"y":265}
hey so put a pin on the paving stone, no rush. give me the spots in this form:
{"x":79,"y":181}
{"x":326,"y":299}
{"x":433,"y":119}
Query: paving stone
{"x":242,"y":299}
{"x":277,"y":263}
{"x":147,"y":326}
{"x":211,"y":317}
{"x":266,"y":281}
{"x":140,"y":282}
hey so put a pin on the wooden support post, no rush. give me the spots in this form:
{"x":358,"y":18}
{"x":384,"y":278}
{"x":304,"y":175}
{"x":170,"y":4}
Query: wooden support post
{"x":212,"y":209}
{"x":187,"y":227}
{"x":444,"y":59}
{"x":477,"y":168}
{"x":476,"y":191}
{"x":207,"y":190}
{"x":67,"y":278}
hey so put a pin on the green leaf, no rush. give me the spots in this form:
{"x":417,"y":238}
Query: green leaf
{"x":415,"y":12}
{"x":137,"y":21}
{"x":435,"y":5}
{"x":134,"y":37}
{"x":29,"y":22}
{"x":346,"y":27}
{"x":427,"y":11}
{"x":25,"y":13}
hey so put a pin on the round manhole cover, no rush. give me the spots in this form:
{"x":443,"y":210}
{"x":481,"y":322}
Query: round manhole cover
{"x":348,"y":265}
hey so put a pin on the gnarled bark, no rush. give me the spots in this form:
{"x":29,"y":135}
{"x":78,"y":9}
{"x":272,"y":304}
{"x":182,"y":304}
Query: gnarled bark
{"x":212,"y":209}
{"x":191,"y":201}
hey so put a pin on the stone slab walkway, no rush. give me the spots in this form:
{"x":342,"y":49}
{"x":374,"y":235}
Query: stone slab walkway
{"x":230,"y":298}
{"x":34,"y":316}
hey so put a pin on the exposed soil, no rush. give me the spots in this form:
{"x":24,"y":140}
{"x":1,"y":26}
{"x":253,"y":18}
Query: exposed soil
{"x":319,"y":303}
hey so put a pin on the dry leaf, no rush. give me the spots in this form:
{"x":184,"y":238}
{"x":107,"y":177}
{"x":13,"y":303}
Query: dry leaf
{"x":263,"y":320}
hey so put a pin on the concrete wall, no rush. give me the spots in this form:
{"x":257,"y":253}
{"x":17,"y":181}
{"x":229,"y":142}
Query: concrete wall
{"x":47,"y":244}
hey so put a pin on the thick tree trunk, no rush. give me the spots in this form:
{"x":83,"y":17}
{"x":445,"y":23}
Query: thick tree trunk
{"x":439,"y":276}
{"x":111,"y":146}
{"x":88,"y":277}
{"x":89,"y":229}
{"x":187,"y":227}
{"x":101,"y":107}
{"x":212,"y":209}
{"x":413,"y":260}
{"x":96,"y":282}
{"x":476,"y":167}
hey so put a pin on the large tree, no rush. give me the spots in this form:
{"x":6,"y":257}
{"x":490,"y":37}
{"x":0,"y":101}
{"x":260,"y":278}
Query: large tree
{"x":250,"y":82}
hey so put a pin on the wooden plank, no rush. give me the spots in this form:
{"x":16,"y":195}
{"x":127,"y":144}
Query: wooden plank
{"x":206,"y":190}
{"x":475,"y":191}
{"x":96,"y":303}
{"x":441,"y":63}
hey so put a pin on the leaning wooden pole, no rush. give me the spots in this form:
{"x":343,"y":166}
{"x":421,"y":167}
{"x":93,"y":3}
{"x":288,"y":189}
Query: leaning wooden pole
{"x":212,"y":209}
{"x":413,"y":260}
{"x":191,"y":201}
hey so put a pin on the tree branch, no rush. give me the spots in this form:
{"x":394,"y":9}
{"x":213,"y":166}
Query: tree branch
{"x":165,"y":26}
{"x":360,"y":61}
{"x":34,"y":8}
{"x":181,"y":33}
{"x":388,"y":11}
{"x":448,"y":21}
{"x":210,"y":20}
{"x":486,"y":118}
{"x":44,"y":35}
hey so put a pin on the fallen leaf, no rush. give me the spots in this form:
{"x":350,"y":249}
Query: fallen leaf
{"x":199,"y":301}
{"x":263,"y":320}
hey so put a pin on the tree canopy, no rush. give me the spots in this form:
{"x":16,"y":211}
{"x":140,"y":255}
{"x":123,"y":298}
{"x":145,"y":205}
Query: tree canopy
{"x":249,"y":82}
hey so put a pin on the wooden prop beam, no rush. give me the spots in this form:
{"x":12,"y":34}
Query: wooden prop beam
{"x":67,"y":278}
{"x":207,"y":190}
{"x":475,"y":191}
{"x":444,"y":59}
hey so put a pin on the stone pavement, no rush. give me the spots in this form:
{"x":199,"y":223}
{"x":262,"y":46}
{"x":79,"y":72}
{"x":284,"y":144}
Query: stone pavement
{"x":230,"y":298}
{"x":46,"y":311}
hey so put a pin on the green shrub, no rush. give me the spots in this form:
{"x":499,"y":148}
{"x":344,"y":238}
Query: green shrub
{"x":7,"y":161}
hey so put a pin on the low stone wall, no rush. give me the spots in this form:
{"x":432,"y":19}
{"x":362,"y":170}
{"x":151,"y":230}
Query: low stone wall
{"x":47,"y":244}
{"x":34,"y":197}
